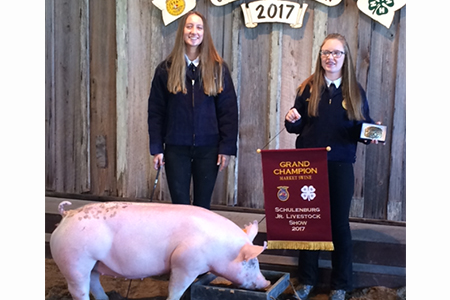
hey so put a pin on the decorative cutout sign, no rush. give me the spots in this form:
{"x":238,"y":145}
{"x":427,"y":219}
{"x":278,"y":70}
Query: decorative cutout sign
{"x":221,"y":2}
{"x":329,"y":2}
{"x":269,"y":11}
{"x":174,"y":9}
{"x":382,"y":11}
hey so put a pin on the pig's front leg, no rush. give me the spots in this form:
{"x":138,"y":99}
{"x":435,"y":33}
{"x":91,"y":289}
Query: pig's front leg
{"x":187,"y":262}
{"x":179,"y":283}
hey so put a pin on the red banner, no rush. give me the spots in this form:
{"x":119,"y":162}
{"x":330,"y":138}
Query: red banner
{"x":297,"y":199}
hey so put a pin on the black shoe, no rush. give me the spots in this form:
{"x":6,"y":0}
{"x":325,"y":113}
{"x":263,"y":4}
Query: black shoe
{"x":337,"y":295}
{"x":303,"y":291}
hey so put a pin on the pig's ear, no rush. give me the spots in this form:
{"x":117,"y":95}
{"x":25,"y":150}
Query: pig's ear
{"x":249,"y":251}
{"x":251,"y":230}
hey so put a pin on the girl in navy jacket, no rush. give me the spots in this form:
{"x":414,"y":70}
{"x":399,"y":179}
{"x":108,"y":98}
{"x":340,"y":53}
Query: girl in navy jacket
{"x":192,"y":113}
{"x":329,"y":110}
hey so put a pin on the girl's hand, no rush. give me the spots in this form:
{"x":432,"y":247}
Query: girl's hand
{"x":158,"y":161}
{"x":293,"y":115}
{"x":376,"y":141}
{"x":223,"y":161}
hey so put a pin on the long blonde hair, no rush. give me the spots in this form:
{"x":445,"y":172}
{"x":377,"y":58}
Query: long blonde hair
{"x":350,"y":88}
{"x":210,"y":61}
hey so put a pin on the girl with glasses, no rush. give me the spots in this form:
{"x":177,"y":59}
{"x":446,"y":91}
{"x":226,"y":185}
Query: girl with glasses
{"x":329,"y":110}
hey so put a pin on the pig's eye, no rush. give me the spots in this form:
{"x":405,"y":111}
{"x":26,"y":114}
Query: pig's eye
{"x":250,"y":264}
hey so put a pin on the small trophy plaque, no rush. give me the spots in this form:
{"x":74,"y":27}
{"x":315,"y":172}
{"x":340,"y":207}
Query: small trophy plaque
{"x":373,"y":132}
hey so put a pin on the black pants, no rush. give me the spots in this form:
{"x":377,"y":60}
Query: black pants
{"x":341,"y":183}
{"x":184,"y":162}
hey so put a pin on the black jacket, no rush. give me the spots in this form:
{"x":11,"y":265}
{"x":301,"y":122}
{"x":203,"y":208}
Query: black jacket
{"x":332,"y":126}
{"x":194,"y":118}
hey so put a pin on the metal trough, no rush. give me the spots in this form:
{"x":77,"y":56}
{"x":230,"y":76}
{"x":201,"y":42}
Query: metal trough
{"x":205,"y":289}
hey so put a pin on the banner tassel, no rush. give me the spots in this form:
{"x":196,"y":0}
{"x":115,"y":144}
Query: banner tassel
{"x":300,"y":245}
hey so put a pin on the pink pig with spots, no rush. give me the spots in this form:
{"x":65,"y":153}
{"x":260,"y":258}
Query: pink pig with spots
{"x":138,"y":240}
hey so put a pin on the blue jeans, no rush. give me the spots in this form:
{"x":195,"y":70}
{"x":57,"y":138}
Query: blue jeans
{"x":184,"y":162}
{"x":341,"y":183}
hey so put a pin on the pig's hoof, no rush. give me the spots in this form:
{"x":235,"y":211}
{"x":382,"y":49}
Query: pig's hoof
{"x":113,"y":295}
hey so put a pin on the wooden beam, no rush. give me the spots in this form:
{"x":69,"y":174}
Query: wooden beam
{"x":397,"y":179}
{"x":122,"y":94}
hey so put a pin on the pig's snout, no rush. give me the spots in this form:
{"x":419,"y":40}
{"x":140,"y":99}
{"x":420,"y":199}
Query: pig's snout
{"x":266,"y":284}
{"x":259,"y":285}
{"x":262,"y":283}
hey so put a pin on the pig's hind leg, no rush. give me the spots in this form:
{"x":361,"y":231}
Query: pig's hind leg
{"x":79,"y":277}
{"x":78,"y":284}
{"x":96,"y":287}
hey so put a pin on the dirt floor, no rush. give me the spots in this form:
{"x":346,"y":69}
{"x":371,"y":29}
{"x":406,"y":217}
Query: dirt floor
{"x":156,"y":289}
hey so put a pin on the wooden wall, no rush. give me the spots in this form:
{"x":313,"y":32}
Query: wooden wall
{"x":100,"y":60}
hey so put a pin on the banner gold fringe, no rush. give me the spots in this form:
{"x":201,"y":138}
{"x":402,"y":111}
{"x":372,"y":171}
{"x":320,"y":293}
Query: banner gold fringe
{"x":297,"y":245}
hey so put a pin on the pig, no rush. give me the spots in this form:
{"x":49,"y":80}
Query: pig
{"x":137,"y":240}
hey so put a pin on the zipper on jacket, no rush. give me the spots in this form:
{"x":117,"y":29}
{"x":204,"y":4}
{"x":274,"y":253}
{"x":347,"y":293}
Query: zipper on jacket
{"x":193,"y":106}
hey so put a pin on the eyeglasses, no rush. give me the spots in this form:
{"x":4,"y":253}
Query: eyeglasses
{"x":335,"y":53}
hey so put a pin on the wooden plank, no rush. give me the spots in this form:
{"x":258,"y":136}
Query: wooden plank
{"x":397,"y":182}
{"x":380,"y":87}
{"x":253,"y":114}
{"x":296,"y":67}
{"x":63,"y":36}
{"x":320,"y":31}
{"x":233,"y":22}
{"x":121,"y":94}
{"x":83,"y":121}
{"x":220,"y":20}
{"x":139,"y":166}
{"x":274,"y":87}
{"x":103,"y":96}
{"x":362,"y":57}
{"x":71,"y":147}
{"x":50,"y":106}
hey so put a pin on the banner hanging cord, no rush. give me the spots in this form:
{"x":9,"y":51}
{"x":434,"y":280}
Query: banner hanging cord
{"x":259,"y":150}
{"x":262,"y":219}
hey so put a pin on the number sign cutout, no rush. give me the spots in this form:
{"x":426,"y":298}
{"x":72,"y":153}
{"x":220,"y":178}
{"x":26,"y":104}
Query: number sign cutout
{"x":221,"y":2}
{"x":270,"y":11}
{"x":329,"y":2}
{"x":174,"y":9}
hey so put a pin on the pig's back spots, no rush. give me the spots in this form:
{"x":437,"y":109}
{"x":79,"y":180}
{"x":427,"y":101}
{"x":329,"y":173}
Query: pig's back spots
{"x":71,"y":213}
{"x":98,"y":211}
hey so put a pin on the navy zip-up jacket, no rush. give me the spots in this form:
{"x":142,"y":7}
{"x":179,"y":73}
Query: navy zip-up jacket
{"x":194,"y":118}
{"x":331,"y":128}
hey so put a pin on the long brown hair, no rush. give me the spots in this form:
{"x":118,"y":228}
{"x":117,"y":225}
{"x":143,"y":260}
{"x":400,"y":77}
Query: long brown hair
{"x":350,"y":88}
{"x":210,"y":61}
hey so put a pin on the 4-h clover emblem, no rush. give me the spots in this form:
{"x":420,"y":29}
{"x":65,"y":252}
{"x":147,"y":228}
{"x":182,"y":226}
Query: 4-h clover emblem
{"x":308,"y":193}
{"x":382,"y":11}
{"x":380,"y":7}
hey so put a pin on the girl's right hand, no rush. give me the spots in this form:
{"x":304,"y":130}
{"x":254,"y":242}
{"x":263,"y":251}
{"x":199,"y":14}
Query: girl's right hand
{"x":293,"y":115}
{"x":158,"y":161}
